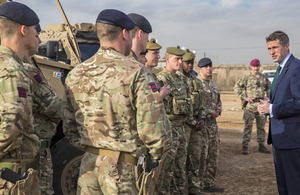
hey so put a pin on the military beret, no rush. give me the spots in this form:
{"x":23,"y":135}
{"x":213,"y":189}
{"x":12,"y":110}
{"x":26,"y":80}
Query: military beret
{"x":175,"y":51}
{"x":116,"y":18}
{"x":255,"y":62}
{"x":141,"y":22}
{"x":204,"y":62}
{"x":144,"y":53}
{"x":38,"y":28}
{"x":19,"y":13}
{"x":188,"y":56}
{"x":152,"y":45}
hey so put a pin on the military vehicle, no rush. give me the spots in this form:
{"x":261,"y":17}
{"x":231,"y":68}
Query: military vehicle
{"x":63,"y":47}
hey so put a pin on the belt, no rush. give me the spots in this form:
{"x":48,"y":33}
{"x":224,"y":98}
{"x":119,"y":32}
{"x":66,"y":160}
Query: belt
{"x":257,"y":99}
{"x":121,"y":156}
{"x":19,"y":166}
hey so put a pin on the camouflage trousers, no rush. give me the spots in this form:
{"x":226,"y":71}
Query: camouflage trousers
{"x":193,"y":159}
{"x":169,"y":161}
{"x":28,"y":186}
{"x":209,"y":155}
{"x":102,"y":175}
{"x":260,"y":124}
{"x":46,"y":172}
{"x":178,"y":184}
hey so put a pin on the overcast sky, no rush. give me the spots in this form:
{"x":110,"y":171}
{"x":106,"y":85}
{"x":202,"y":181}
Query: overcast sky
{"x":227,"y":31}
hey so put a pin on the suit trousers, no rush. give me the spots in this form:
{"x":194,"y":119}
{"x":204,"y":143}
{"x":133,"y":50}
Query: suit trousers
{"x":287,"y":168}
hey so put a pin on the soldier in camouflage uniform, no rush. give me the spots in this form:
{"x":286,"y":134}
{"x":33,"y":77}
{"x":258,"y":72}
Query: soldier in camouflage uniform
{"x":194,"y":124}
{"x":140,"y":34}
{"x":256,"y":87}
{"x":113,"y":108}
{"x":19,"y":145}
{"x":47,"y":111}
{"x":211,"y":140}
{"x":177,"y":108}
{"x":142,"y":57}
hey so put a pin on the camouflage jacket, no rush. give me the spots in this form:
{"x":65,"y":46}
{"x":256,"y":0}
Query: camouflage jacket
{"x":211,"y":98}
{"x":153,"y":77}
{"x":111,"y":103}
{"x":195,"y":92}
{"x":47,"y":106}
{"x":254,"y":87}
{"x":177,"y":103}
{"x":17,"y":140}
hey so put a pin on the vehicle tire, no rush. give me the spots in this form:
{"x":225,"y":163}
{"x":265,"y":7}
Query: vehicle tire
{"x":66,"y":161}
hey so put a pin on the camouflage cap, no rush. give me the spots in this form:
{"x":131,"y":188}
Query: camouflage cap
{"x":175,"y":51}
{"x":152,"y":45}
{"x":188,"y":56}
{"x":116,"y":18}
{"x":141,"y":22}
{"x":19,"y":13}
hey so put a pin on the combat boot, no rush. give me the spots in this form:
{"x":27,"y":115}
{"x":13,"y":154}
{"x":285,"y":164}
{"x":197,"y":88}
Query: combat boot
{"x":214,"y":188}
{"x":262,"y":148}
{"x":245,"y":150}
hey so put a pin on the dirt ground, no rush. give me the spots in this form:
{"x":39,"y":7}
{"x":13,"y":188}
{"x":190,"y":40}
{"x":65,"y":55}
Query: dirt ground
{"x":241,"y":174}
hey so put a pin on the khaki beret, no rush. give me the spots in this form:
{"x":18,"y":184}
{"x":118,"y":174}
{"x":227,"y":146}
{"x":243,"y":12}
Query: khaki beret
{"x":188,"y":56}
{"x":175,"y":51}
{"x":152,"y":45}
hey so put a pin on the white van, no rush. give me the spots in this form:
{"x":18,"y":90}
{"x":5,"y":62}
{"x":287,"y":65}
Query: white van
{"x":270,"y":74}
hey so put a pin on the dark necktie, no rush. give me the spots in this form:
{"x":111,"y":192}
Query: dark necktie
{"x":275,"y":79}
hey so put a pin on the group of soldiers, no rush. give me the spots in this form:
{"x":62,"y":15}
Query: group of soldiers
{"x":114,"y":108}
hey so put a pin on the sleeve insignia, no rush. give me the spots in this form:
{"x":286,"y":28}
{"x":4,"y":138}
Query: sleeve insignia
{"x":22,"y":92}
{"x":153,"y":87}
{"x":38,"y":78}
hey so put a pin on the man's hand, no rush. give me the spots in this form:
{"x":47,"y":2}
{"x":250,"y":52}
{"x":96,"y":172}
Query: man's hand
{"x":218,"y":108}
{"x":165,"y":90}
{"x":249,"y":99}
{"x":199,"y":125}
{"x":215,"y":114}
{"x":263,"y":107}
{"x":266,"y":98}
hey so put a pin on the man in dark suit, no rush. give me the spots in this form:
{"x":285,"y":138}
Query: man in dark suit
{"x":284,"y":111}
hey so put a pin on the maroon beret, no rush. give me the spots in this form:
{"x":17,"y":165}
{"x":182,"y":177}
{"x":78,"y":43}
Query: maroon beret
{"x":255,"y":62}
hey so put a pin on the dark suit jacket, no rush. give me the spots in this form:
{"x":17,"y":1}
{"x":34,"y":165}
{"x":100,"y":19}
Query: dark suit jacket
{"x":284,"y":129}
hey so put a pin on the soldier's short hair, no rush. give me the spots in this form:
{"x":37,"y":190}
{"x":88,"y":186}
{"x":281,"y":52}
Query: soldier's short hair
{"x":107,"y":32}
{"x":167,"y":55}
{"x":134,"y":31}
{"x":8,"y":28}
{"x":278,"y":35}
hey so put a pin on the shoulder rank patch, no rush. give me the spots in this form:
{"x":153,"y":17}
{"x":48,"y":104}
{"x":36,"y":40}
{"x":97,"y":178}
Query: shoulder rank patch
{"x":38,"y":78}
{"x":22,"y":92}
{"x":153,"y":87}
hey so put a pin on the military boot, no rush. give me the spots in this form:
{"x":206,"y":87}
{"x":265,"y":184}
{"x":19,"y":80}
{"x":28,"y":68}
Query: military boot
{"x":245,"y":150}
{"x":214,"y":188}
{"x":198,"y":193}
{"x":262,"y":148}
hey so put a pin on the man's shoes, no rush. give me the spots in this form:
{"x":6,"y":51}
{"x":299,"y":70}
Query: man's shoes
{"x":245,"y":150}
{"x":198,"y":193}
{"x":214,"y":188}
{"x":262,"y":148}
